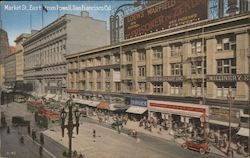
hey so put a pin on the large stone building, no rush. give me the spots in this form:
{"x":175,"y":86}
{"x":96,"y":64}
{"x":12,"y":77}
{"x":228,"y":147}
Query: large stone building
{"x":10,"y":70}
{"x":185,"y":72}
{"x":20,"y":60}
{"x":45,"y":64}
{"x":4,"y":50}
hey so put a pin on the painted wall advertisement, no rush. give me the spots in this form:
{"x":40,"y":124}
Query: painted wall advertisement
{"x":164,"y":15}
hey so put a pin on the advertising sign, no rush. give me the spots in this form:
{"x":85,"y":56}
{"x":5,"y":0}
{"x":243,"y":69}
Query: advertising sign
{"x":139,"y":101}
{"x":223,"y":78}
{"x":164,"y":15}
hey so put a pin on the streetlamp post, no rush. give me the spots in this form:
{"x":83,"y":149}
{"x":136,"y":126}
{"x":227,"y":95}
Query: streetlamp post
{"x":230,"y":99}
{"x":204,"y":121}
{"x":248,"y":50}
{"x":70,"y":126}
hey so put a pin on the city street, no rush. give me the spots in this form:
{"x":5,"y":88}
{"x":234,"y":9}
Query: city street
{"x":10,"y":143}
{"x":109,"y":144}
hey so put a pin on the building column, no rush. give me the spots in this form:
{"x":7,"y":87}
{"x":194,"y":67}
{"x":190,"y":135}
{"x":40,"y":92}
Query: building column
{"x":166,"y":54}
{"x":135,"y":70}
{"x":94,"y":80}
{"x":186,"y":68}
{"x":111,"y":80}
{"x":149,"y":71}
{"x":87,"y":80}
{"x":242,"y":51}
{"x":103,"y":80}
{"x":123,"y":71}
{"x":112,"y":59}
{"x":212,"y":66}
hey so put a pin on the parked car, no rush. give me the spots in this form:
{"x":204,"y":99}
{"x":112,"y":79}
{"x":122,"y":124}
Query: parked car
{"x":18,"y":120}
{"x":3,"y":120}
{"x":197,"y":144}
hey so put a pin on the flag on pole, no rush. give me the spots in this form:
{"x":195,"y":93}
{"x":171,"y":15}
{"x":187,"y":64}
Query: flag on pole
{"x":44,"y":9}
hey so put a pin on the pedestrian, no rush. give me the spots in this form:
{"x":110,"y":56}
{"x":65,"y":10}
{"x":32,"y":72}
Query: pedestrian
{"x":41,"y":138}
{"x":8,"y":130}
{"x":81,"y":156}
{"x":22,"y":140}
{"x":29,"y":130}
{"x":94,"y":133}
{"x":41,"y":150}
{"x":159,"y":132}
{"x":75,"y":154}
{"x":33,"y":134}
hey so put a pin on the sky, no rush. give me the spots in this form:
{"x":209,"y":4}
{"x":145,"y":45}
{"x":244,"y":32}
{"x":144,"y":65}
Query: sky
{"x":21,"y":16}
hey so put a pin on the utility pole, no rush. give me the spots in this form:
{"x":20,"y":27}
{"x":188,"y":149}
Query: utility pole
{"x":248,"y":49}
{"x":230,"y":99}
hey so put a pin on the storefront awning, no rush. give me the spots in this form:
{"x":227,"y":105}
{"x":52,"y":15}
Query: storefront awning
{"x":49,"y":96}
{"x":86,"y":102}
{"x":117,"y":106}
{"x":136,"y":109}
{"x":235,"y":125}
{"x":93,"y":103}
{"x":178,"y":108}
{"x":103,"y":105}
{"x":243,"y":132}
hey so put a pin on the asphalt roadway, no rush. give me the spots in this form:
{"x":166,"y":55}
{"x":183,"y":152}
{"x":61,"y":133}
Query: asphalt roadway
{"x":108,"y":144}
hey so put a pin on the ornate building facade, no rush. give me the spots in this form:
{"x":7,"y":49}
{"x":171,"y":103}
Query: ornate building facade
{"x":4,"y":50}
{"x":45,"y":64}
{"x":184,"y":71}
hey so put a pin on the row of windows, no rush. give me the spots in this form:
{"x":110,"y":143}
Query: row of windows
{"x":224,"y":66}
{"x":47,"y":38}
{"x":107,"y":86}
{"x":80,"y":75}
{"x":99,"y":61}
{"x":48,"y":55}
{"x":196,"y":90}
{"x":225,"y":42}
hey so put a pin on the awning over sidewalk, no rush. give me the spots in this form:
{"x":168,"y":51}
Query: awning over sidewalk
{"x":116,"y":106}
{"x":103,"y":105}
{"x":56,"y":98}
{"x":243,"y":132}
{"x":49,"y":96}
{"x":80,"y":101}
{"x":86,"y":102}
{"x":235,"y":125}
{"x":136,"y":109}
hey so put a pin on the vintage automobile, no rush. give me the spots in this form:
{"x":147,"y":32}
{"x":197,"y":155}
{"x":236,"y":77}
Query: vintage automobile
{"x":19,"y":121}
{"x":197,"y":144}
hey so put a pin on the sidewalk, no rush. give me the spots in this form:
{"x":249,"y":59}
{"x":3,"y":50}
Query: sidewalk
{"x":164,"y":134}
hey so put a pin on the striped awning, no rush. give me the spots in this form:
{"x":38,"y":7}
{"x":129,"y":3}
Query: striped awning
{"x":103,"y":105}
